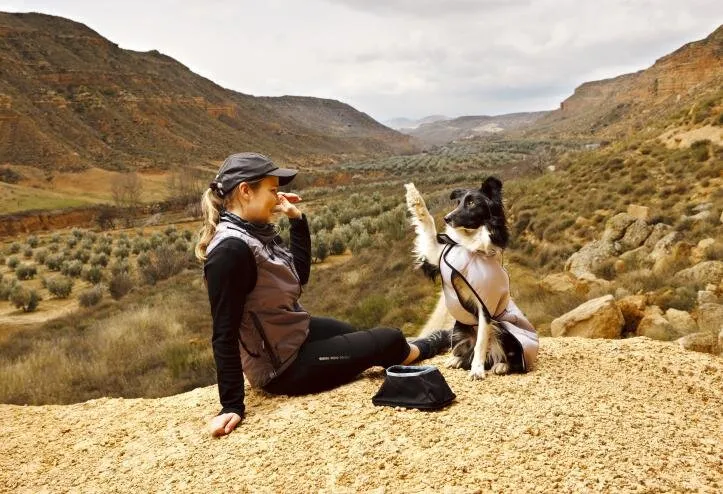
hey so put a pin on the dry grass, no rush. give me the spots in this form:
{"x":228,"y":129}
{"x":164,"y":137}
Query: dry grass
{"x":154,"y":345}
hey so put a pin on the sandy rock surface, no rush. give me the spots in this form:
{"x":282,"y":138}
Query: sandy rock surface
{"x":596,"y":415}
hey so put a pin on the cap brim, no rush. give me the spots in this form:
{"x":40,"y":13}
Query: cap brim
{"x":285,"y":175}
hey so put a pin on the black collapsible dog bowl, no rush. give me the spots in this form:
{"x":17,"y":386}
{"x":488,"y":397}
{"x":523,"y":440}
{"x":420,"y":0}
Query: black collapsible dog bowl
{"x":413,"y":386}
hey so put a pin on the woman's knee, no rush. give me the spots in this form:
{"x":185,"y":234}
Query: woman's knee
{"x":392,"y":345}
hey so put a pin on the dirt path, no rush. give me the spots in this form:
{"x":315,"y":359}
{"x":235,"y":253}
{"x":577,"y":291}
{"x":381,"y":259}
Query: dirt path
{"x":631,"y":415}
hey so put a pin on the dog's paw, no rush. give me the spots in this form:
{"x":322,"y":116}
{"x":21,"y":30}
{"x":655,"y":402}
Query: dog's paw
{"x":415,"y":203}
{"x":501,"y":368}
{"x":477,"y":372}
{"x":453,"y":362}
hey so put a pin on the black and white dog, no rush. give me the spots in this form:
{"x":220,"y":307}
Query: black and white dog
{"x":475,"y":285}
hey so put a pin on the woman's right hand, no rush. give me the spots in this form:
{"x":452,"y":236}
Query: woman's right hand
{"x":223,"y":424}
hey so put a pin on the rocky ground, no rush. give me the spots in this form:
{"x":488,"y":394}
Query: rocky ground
{"x":596,"y":415}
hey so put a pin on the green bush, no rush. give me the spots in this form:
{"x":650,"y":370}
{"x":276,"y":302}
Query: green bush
{"x":98,"y":260}
{"x":72,"y":268}
{"x":6,"y":288}
{"x":25,"y":299}
{"x":92,"y":274}
{"x":12,"y":262}
{"x":26,"y":271}
{"x":40,"y":255}
{"x":163,"y":263}
{"x":60,"y":286}
{"x":121,"y":253}
{"x":54,"y":262}
{"x":120,"y":284}
{"x":28,"y":252}
{"x":82,"y":255}
{"x":91,"y":296}
{"x":33,"y":241}
{"x":13,"y":248}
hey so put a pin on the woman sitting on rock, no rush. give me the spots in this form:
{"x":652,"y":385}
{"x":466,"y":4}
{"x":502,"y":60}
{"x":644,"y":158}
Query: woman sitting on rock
{"x":254,"y":282}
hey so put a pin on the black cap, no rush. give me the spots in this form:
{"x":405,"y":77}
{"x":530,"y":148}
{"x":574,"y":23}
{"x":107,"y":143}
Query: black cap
{"x":245,"y":167}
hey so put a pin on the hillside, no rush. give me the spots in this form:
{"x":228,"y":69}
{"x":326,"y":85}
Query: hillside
{"x":468,"y":127}
{"x":612,"y":107}
{"x":70,"y":99}
{"x":622,"y":415}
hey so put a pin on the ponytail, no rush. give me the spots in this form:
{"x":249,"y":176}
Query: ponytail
{"x":211,"y":206}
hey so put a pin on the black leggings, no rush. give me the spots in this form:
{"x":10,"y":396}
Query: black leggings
{"x":335,"y":353}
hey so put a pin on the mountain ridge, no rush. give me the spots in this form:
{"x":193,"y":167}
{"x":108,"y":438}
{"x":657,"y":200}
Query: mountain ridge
{"x":70,"y":98}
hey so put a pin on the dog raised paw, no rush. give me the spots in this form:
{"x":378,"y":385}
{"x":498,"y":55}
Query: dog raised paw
{"x":415,"y":203}
{"x":500,"y":368}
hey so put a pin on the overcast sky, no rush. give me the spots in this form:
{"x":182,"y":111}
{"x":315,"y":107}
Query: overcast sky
{"x":401,"y":58}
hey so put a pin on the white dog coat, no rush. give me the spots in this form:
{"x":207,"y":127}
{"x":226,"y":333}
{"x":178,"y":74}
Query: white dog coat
{"x":490,"y":282}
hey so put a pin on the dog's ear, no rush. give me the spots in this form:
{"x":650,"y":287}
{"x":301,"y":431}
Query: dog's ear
{"x":456,"y":194}
{"x":492,"y":187}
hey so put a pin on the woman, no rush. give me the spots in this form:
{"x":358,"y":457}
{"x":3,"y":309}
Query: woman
{"x":254,"y":284}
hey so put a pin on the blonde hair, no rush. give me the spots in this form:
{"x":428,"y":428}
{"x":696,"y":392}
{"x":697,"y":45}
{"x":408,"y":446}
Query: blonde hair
{"x":211,"y":206}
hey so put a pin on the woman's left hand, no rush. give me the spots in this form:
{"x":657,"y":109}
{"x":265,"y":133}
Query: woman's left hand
{"x":286,"y":201}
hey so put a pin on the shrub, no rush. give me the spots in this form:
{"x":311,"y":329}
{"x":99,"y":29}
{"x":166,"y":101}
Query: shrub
{"x":180,"y":245}
{"x":54,"y":262}
{"x":77,"y":233}
{"x":121,"y":252}
{"x":25,"y":299}
{"x":72,"y":268}
{"x":10,"y":176}
{"x":119,"y":266}
{"x":140,"y":245}
{"x":71,"y":242}
{"x":103,"y":248}
{"x":40,"y":255}
{"x":6,"y":287}
{"x":13,"y":248}
{"x":82,"y":255}
{"x":28,"y":252}
{"x":99,"y":260}
{"x":12,"y":262}
{"x":26,"y":271}
{"x":53,"y":248}
{"x":33,"y":241}
{"x":120,"y":284}
{"x":91,"y":296}
{"x":143,"y":259}
{"x":699,"y":150}
{"x":60,"y":286}
{"x":188,"y":234}
{"x":92,"y":274}
{"x":164,"y":262}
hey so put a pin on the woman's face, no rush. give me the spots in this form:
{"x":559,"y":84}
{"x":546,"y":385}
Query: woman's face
{"x":258,"y":205}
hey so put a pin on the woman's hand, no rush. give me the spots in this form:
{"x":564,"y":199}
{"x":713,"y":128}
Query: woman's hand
{"x":223,"y":424}
{"x":286,"y":201}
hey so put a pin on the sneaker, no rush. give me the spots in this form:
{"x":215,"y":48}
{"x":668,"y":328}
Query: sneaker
{"x":434,"y":343}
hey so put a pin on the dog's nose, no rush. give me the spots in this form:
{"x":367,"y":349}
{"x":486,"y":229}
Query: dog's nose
{"x":448,"y":218}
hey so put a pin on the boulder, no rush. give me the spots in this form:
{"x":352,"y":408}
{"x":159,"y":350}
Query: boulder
{"x":640,"y":212}
{"x":636,"y":258}
{"x":700,"y":342}
{"x":664,"y":246}
{"x":659,"y":231}
{"x":682,"y":322}
{"x":563,"y":283}
{"x":635,"y":235}
{"x":672,"y":262}
{"x":589,"y":257}
{"x":707,"y":297}
{"x":700,"y":274}
{"x":616,"y":226}
{"x":632,"y":308}
{"x":654,"y":325}
{"x":596,"y":318}
{"x":698,"y":253}
{"x":702,"y":216}
{"x":710,"y":318}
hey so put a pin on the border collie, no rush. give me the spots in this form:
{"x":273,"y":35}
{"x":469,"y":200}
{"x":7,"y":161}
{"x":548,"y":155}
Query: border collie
{"x":476,"y":287}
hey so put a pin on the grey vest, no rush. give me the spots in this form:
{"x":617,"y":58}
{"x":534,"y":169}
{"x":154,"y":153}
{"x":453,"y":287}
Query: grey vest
{"x":488,"y":279}
{"x":274,"y":324}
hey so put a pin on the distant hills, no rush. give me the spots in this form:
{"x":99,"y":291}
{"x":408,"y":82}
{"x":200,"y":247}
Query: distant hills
{"x":469,"y":127}
{"x":71,"y":99}
{"x":408,"y":123}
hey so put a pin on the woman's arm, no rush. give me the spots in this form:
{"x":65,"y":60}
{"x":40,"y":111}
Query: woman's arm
{"x":230,"y":276}
{"x":300,"y":237}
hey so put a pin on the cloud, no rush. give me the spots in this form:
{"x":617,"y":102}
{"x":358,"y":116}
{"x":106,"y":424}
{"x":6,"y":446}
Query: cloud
{"x":402,"y":58}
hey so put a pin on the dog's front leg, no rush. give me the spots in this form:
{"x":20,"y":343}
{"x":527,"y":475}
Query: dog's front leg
{"x":481,"y":346}
{"x":426,"y":246}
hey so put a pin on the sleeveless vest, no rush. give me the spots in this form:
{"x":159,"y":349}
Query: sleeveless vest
{"x":274,"y":325}
{"x":491,"y":284}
